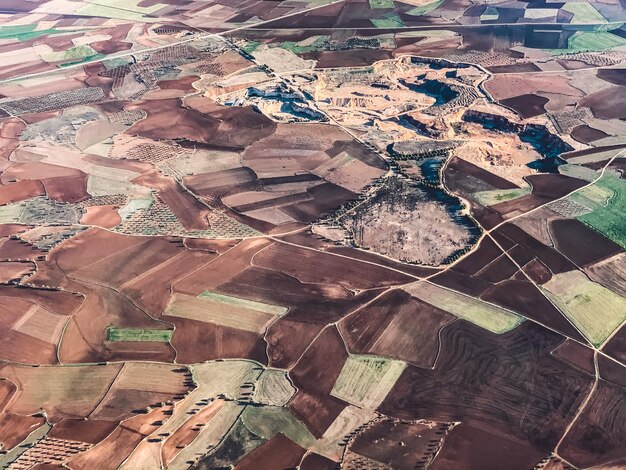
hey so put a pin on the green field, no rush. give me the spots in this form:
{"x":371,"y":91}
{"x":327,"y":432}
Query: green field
{"x":607,"y":199}
{"x":138,"y":334}
{"x":298,"y":48}
{"x":26,"y":32}
{"x":586,"y":41}
{"x":267,"y":421}
{"x":381,"y":4}
{"x":250,"y":46}
{"x":392,"y":21}
{"x":422,"y":10}
{"x":366,"y":380}
{"x":583,"y":13}
{"x":594,"y":309}
{"x":489,"y":198}
{"x":488,"y":316}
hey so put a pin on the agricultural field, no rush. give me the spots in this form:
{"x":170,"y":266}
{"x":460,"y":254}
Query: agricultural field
{"x":312,"y":234}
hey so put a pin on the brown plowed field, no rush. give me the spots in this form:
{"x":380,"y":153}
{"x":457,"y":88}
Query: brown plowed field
{"x":67,"y":188}
{"x":599,"y":434}
{"x":310,"y":266}
{"x":577,"y":355}
{"x":91,"y":431}
{"x":21,"y":190}
{"x":398,"y":444}
{"x":287,"y":339}
{"x":507,"y":382}
{"x":399,"y":326}
{"x":525,"y":299}
{"x":318,"y":462}
{"x":580,"y":243}
{"x":15,"y":428}
{"x":10,"y":270}
{"x":609,"y":103}
{"x":152,"y":289}
{"x":314,"y":375}
{"x":222,"y":269}
{"x":196,"y":341}
{"x":278,"y":452}
{"x":475,"y":446}
{"x":101,"y":216}
{"x":545,"y":188}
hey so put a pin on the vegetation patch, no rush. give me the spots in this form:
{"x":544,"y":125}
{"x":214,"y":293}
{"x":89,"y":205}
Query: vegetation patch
{"x":607,"y":199}
{"x":583,"y":13}
{"x":595,"y":310}
{"x":366,"y":380}
{"x":380,"y":4}
{"x":267,"y":421}
{"x":392,"y":21}
{"x":588,"y":41}
{"x":489,"y":198}
{"x":488,"y":316}
{"x":424,"y":9}
{"x":320,"y":42}
{"x":138,"y":334}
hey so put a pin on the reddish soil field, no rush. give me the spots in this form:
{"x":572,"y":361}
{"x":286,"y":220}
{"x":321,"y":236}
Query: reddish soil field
{"x":223,"y":182}
{"x":576,"y":355}
{"x":398,"y":326}
{"x":321,"y":303}
{"x":318,"y":462}
{"x":17,"y":249}
{"x":67,"y":189}
{"x":352,"y":58}
{"x":508,"y":383}
{"x":189,"y":210}
{"x":10,"y":130}
{"x":7,"y":389}
{"x":111,"y":46}
{"x":314,"y":375}
{"x":580,"y":243}
{"x":152,"y":289}
{"x":609,"y":103}
{"x":599,"y":434}
{"x":59,"y":302}
{"x":19,"y":347}
{"x":139,"y":350}
{"x":196,"y":341}
{"x":13,"y":270}
{"x":15,"y":192}
{"x":183,"y":84}
{"x":591,"y":151}
{"x":468,"y":446}
{"x":114,"y":449}
{"x":168,"y":119}
{"x":37,"y":170}
{"x":210,"y":246}
{"x":85,"y":430}
{"x":287,"y":339}
{"x":278,"y":452}
{"x":398,"y":444}
{"x":586,"y":134}
{"x":85,"y":336}
{"x":527,"y":106}
{"x":15,"y":428}
{"x":222,"y":269}
{"x":102,"y":216}
{"x":11,"y":229}
{"x":310,"y":266}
